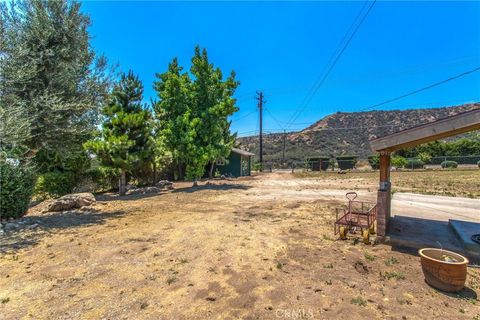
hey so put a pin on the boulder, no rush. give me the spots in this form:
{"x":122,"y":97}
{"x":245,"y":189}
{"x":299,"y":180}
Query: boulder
{"x":71,"y":201}
{"x":143,"y":190}
{"x":165,"y":184}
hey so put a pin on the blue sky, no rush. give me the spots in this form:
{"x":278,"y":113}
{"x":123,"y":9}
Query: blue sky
{"x":282,"y":48}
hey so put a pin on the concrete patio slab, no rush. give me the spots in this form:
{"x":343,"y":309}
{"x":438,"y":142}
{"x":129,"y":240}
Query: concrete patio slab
{"x":420,"y":221}
{"x":464,"y":231}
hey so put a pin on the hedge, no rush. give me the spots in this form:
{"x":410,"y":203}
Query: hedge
{"x":414,"y":164}
{"x":346,"y":162}
{"x":458,"y":159}
{"x":16,"y":189}
{"x":399,"y":162}
{"x":449,"y":164}
{"x":54,"y":184}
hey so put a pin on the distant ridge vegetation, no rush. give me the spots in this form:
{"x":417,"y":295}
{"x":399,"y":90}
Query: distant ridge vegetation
{"x":346,"y":133}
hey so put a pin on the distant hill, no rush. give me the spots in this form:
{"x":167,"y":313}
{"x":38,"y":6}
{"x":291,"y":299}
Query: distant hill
{"x":345,"y":133}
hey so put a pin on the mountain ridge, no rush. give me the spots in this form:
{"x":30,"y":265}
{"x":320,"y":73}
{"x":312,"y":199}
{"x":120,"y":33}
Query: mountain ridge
{"x":346,"y":133}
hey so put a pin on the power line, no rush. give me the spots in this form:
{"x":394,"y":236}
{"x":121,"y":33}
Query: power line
{"x":335,"y":60}
{"x":332,"y":56}
{"x":245,"y":116}
{"x":423,"y":89}
{"x":273,"y":117}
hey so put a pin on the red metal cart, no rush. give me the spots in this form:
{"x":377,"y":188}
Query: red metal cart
{"x":359,"y":215}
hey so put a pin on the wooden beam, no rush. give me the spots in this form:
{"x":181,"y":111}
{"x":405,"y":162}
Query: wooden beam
{"x":384,"y":167}
{"x":451,"y":126}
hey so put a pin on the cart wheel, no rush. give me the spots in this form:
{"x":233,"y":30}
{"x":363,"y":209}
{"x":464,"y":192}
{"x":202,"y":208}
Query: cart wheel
{"x":366,"y":236}
{"x":343,"y":233}
{"x":372,"y":229}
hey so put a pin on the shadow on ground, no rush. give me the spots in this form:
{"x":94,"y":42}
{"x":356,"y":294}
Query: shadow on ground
{"x":219,"y":187}
{"x":25,"y":237}
{"x":115,"y":196}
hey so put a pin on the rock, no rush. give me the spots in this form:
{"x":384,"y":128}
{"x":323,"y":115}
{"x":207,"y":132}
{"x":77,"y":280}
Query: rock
{"x":11,"y":226}
{"x":88,"y":209}
{"x":165,"y":184}
{"x":32,"y":226}
{"x":144,"y":190}
{"x":71,"y":201}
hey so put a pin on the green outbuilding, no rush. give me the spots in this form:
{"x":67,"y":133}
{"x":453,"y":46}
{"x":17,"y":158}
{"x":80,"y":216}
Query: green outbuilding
{"x":238,"y":164}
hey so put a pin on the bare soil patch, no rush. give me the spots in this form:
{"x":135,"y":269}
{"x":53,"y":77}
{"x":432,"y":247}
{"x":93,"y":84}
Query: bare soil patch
{"x":252,"y":248}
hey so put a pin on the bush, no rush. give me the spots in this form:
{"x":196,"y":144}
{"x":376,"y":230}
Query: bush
{"x":374,"y":161}
{"x":103,"y":178}
{"x":257,"y":166}
{"x":449,"y":164}
{"x":347,"y":162}
{"x":16,"y":189}
{"x":54,"y":184}
{"x":399,"y":162}
{"x":425,"y":157}
{"x":414,"y":164}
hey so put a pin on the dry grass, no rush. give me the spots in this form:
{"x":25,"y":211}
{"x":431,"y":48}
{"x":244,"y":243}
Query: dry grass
{"x":456,"y":183}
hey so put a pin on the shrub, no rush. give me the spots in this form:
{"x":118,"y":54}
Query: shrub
{"x":16,"y":189}
{"x":449,"y":164}
{"x":257,"y":166}
{"x":54,"y":184}
{"x":399,"y":162}
{"x":374,"y":161}
{"x":347,"y":162}
{"x":104,"y":178}
{"x":425,"y":157}
{"x":414,"y":164}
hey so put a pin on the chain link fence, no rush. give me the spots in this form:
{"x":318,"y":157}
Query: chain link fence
{"x":353,"y":164}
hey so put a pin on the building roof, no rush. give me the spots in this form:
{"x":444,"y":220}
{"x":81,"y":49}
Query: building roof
{"x":242,"y":152}
{"x":447,"y":127}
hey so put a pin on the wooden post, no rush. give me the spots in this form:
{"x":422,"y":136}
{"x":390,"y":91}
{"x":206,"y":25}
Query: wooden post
{"x":384,"y":195}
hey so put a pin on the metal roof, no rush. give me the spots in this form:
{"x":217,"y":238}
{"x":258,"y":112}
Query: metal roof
{"x":242,"y":152}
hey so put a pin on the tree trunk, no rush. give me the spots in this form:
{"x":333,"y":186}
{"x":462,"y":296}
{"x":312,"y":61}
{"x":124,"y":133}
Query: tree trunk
{"x":210,"y":173}
{"x":154,"y":172}
{"x":180,"y":171}
{"x":122,"y":183}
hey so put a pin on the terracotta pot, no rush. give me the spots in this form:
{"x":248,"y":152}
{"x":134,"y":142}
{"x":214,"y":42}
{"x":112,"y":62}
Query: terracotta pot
{"x":444,"y":275}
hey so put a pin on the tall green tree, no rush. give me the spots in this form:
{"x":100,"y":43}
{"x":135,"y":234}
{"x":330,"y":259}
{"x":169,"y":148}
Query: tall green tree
{"x":126,"y":140}
{"x":50,"y":79}
{"x":212,"y":104}
{"x":173,"y":112}
{"x":193,"y":111}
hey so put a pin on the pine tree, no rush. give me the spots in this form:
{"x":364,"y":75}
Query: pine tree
{"x":50,"y":79}
{"x":126,"y":142}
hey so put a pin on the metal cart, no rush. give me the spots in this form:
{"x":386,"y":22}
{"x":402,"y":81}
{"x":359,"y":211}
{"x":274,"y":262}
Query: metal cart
{"x":359,"y":215}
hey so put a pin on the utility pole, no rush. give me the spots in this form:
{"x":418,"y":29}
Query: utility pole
{"x":284,"y":140}
{"x":260,"y":107}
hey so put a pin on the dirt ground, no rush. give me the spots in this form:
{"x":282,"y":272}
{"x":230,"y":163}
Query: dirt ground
{"x":251,"y":248}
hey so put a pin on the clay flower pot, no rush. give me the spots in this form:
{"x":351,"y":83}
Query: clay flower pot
{"x":444,"y":270}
